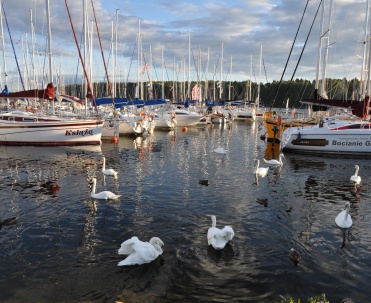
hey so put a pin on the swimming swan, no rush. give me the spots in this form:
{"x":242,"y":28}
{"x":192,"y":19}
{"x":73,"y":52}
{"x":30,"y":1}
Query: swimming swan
{"x":343,"y":219}
{"x":108,"y":171}
{"x":220,"y":150}
{"x":102,"y":195}
{"x":261,"y":171}
{"x":218,"y":238}
{"x":274,"y":161}
{"x":355,"y":178}
{"x":140,"y":252}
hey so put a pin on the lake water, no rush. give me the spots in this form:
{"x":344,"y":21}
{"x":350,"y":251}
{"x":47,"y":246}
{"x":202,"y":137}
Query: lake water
{"x":62,"y":250}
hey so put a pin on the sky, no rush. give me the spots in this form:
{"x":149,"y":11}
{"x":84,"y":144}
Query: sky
{"x":226,"y":39}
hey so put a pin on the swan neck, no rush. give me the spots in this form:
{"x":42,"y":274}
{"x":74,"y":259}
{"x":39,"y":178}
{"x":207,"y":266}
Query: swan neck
{"x":213,"y":221}
{"x":94,"y":185}
{"x":356,"y":173}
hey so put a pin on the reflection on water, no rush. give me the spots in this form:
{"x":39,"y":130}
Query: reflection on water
{"x":64,"y":246}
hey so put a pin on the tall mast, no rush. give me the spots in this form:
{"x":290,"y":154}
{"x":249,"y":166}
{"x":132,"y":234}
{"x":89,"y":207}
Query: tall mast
{"x":189,"y":66}
{"x":221,"y":76}
{"x":3,"y":43}
{"x":364,"y":51}
{"x":50,"y":50}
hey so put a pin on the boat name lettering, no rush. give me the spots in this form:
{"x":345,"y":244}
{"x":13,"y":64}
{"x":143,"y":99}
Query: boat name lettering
{"x":353,"y":143}
{"x":79,"y":132}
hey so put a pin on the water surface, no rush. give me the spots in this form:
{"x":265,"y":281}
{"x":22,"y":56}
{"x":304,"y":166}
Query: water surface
{"x":62,"y":250}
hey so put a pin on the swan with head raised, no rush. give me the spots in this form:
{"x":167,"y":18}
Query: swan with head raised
{"x":108,"y":171}
{"x":103,"y":195}
{"x":140,"y":252}
{"x":261,"y":171}
{"x":274,"y":161}
{"x":218,"y":238}
{"x":343,"y":219}
{"x":355,"y":178}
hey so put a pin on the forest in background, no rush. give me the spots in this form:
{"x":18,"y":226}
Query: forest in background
{"x":272,"y":94}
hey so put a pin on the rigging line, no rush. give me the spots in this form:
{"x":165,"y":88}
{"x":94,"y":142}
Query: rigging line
{"x":287,"y":61}
{"x":90,"y":91}
{"x":104,"y":61}
{"x":301,"y":54}
{"x":11,"y":40}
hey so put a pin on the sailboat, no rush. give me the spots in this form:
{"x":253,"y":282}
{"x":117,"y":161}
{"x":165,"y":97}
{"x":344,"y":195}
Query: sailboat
{"x":335,"y":135}
{"x":32,"y":128}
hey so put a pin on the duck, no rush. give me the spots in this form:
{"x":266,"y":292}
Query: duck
{"x":140,"y":252}
{"x":204,"y":182}
{"x":9,"y":221}
{"x":261,"y":171}
{"x":274,"y":161}
{"x":108,"y":171}
{"x":355,"y":178}
{"x":104,"y":195}
{"x":294,"y":256}
{"x":343,"y":219}
{"x":220,"y":150}
{"x":218,"y":238}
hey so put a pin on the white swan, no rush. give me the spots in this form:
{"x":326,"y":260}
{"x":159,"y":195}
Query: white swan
{"x":102,"y":195}
{"x":261,"y":171}
{"x":140,"y":252}
{"x":274,"y":161}
{"x":220,"y":150}
{"x":218,"y":238}
{"x":343,"y":219}
{"x":355,"y":178}
{"x":108,"y":171}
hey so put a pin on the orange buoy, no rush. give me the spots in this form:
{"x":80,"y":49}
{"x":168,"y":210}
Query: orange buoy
{"x":184,"y":129}
{"x":114,"y":139}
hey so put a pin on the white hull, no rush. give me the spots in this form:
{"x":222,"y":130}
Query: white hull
{"x":183,"y":117}
{"x":51,"y":133}
{"x":244,"y":115}
{"x":347,"y":138}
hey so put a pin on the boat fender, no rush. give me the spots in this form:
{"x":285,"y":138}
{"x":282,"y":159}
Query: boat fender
{"x":173,"y":114}
{"x":151,"y":117}
{"x":320,"y":123}
{"x":279,"y":120}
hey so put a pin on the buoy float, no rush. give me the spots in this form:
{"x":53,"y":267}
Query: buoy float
{"x":114,"y":139}
{"x":184,"y":129}
{"x":279,"y":120}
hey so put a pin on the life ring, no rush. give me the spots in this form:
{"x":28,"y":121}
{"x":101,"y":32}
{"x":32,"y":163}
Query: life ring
{"x":151,"y":117}
{"x":142,"y":114}
{"x":279,"y":120}
{"x":173,"y":115}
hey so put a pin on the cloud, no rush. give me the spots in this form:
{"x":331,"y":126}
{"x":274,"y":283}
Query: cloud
{"x":242,"y":26}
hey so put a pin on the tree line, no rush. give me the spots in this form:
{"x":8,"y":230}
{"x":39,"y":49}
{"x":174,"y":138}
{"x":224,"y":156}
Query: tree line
{"x":272,"y":94}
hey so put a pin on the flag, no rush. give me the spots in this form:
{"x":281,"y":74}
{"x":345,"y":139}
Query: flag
{"x":144,"y":69}
{"x":196,"y":92}
{"x":5,"y":90}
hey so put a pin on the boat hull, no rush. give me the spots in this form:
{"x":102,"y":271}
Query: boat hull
{"x":53,"y":133}
{"x":325,"y":140}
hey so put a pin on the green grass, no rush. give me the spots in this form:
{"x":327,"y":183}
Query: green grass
{"x":317,"y":299}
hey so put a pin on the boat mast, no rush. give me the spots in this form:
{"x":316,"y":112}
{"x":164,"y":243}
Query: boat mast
{"x":319,"y":51}
{"x":3,"y":46}
{"x":221,"y":76}
{"x":50,"y":51}
{"x":363,"y":88}
{"x":260,"y":72}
